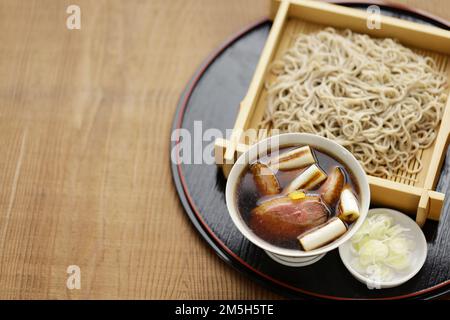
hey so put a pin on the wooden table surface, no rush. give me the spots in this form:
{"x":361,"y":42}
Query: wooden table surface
{"x":85,"y":119}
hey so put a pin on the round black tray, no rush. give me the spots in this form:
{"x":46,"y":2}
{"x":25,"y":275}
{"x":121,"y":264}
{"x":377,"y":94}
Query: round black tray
{"x":212,"y":97}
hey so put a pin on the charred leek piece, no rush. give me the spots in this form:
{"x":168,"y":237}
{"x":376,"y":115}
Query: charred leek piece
{"x":331,"y":189}
{"x":322,"y":235}
{"x":294,"y":159}
{"x":348,"y":206}
{"x":265,"y":179}
{"x":307,"y":179}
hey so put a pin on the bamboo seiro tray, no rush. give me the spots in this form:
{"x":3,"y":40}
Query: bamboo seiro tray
{"x":409,"y":193}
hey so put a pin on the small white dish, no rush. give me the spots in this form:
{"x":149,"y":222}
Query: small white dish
{"x":419,"y":253}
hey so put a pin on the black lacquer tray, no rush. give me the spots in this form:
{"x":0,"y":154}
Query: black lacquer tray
{"x":212,"y":97}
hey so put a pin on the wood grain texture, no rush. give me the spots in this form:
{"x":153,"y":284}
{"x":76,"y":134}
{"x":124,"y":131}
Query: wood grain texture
{"x":85,"y":121}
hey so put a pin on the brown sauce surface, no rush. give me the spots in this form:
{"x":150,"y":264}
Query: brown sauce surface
{"x":248,"y":196}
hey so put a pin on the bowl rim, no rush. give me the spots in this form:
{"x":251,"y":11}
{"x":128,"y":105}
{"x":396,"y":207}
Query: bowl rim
{"x":300,"y":139}
{"x":419,"y":236}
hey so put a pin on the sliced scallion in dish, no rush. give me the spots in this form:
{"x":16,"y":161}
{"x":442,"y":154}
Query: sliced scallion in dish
{"x":381,"y":248}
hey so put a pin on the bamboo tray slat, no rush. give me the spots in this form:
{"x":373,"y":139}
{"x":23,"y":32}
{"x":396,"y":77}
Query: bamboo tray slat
{"x":410,"y":193}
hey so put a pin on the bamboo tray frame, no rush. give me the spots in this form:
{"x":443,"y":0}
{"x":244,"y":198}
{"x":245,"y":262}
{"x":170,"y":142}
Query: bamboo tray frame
{"x":411,"y":194}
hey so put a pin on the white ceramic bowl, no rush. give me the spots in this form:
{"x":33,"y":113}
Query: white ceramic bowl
{"x":418,"y":258}
{"x":285,"y":256}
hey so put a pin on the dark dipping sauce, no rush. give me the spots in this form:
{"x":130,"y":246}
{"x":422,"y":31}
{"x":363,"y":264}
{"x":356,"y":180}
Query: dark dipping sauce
{"x":249,"y":197}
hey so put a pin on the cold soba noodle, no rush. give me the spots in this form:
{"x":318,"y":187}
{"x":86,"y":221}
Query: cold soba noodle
{"x":377,"y":98}
{"x":298,"y":198}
